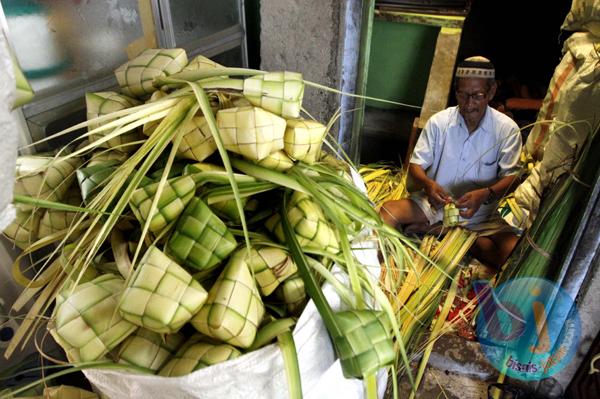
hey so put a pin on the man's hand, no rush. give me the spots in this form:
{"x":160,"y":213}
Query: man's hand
{"x":471,"y":201}
{"x":437,"y":195}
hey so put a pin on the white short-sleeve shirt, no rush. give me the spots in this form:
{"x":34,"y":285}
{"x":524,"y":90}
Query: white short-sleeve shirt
{"x":461,"y":162}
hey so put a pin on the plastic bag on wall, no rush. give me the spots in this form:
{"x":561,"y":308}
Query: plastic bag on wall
{"x":571,"y":109}
{"x":10,"y":135}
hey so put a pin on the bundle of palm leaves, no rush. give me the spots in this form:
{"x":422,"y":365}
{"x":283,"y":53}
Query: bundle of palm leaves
{"x":385,"y":182}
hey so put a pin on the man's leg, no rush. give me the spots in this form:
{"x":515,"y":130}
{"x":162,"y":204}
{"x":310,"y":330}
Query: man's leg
{"x":404,"y":212}
{"x":494,"y":250}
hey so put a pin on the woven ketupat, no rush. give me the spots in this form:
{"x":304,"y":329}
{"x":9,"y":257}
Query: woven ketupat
{"x":309,"y":223}
{"x":201,"y":240}
{"x":196,"y":356}
{"x":106,"y":102}
{"x":228,"y":209}
{"x":176,"y":194}
{"x":149,"y":349}
{"x":44,"y":178}
{"x":55,"y":220}
{"x":234,"y":309}
{"x":451,"y":214}
{"x":197,"y":142}
{"x":135,"y":77}
{"x":271,"y":266}
{"x":86,"y":323}
{"x":303,"y":140}
{"x":92,"y":178}
{"x":250,"y":131}
{"x":23,"y":230}
{"x":293,"y":294}
{"x":277,"y":92}
{"x":277,"y":160}
{"x":161,"y":296}
{"x":365,"y":344}
{"x":103,"y":155}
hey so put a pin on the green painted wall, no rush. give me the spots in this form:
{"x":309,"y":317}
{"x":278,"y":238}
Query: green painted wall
{"x":399,"y":63}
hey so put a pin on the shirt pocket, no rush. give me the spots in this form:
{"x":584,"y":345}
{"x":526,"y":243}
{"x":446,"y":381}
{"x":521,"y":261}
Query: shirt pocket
{"x":487,"y":171}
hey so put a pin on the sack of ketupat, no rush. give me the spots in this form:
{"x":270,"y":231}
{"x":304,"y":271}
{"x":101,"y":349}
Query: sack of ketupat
{"x":260,"y":373}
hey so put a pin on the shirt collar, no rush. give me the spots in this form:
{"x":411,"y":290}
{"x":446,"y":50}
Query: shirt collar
{"x":485,"y":125}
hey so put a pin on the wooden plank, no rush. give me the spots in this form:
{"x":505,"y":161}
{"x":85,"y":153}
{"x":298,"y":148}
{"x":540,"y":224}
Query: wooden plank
{"x":148,"y":40}
{"x":440,"y":75}
{"x":446,"y":21}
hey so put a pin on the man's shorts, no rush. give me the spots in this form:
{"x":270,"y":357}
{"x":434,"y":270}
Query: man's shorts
{"x":485,"y":226}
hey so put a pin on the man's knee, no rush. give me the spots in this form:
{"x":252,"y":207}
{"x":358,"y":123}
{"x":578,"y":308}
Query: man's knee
{"x":495,"y":250}
{"x":402,"y":212}
{"x":417,"y":228}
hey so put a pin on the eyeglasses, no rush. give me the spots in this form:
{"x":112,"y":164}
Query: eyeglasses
{"x":462,"y":96}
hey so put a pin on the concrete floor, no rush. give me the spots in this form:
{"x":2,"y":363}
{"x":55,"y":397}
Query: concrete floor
{"x":457,"y":369}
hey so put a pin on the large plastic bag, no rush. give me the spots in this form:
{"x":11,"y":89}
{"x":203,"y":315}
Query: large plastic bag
{"x":572,"y":96}
{"x":584,"y":16}
{"x":571,"y":105}
{"x":10,"y":138}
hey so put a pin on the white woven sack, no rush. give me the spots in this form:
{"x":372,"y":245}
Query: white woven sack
{"x":258,"y":374}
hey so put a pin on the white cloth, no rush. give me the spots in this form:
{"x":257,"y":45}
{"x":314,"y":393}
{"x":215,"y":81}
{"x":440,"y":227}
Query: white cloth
{"x":8,"y":134}
{"x":461,"y":162}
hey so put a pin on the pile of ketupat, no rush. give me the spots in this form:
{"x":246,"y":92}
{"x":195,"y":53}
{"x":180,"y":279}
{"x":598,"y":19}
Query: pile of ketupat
{"x":198,"y":202}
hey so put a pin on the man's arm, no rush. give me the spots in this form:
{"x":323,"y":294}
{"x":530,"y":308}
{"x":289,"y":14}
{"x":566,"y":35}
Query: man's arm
{"x":435,"y":193}
{"x":505,"y":186}
{"x":471,"y":201}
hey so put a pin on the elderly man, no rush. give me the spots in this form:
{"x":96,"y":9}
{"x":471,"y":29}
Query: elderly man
{"x":468,"y":155}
